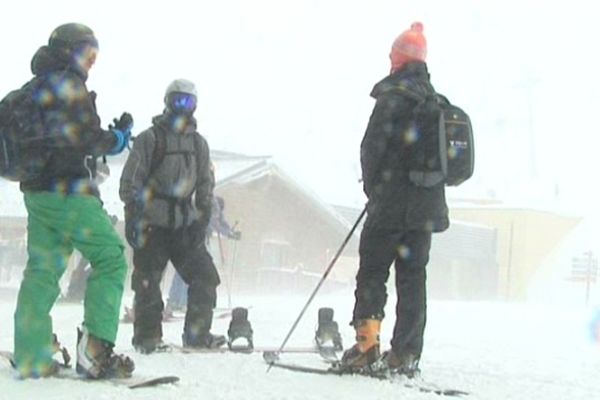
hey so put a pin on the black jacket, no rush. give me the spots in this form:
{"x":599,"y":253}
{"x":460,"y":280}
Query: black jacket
{"x":75,"y":138}
{"x":387,"y":152}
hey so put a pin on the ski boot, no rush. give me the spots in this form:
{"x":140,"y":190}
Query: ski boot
{"x":96,"y":359}
{"x":365,"y":352}
{"x":203,"y":341}
{"x":48,"y":370}
{"x":327,"y":334}
{"x":150,"y":345}
{"x":240,"y":327}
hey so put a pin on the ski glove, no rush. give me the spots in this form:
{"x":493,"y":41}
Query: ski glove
{"x":125,"y":123}
{"x":235,"y":235}
{"x":134,"y":227}
{"x":121,"y":128}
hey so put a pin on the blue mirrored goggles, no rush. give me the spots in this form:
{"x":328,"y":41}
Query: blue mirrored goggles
{"x":182,"y":102}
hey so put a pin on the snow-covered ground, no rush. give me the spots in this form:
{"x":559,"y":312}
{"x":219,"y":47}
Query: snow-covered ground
{"x":494,"y":350}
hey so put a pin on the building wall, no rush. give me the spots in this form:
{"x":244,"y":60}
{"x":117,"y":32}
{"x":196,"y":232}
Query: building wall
{"x":463,"y":263}
{"x":525,"y":239}
{"x":287,"y":239}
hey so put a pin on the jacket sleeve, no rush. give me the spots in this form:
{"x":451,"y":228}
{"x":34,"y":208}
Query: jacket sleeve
{"x":374,"y":143}
{"x":71,"y":117}
{"x":205,"y":182}
{"x":137,"y":167}
{"x":386,"y":129}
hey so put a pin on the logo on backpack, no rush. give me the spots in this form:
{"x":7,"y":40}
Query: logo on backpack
{"x":22,"y":152}
{"x":446,"y":152}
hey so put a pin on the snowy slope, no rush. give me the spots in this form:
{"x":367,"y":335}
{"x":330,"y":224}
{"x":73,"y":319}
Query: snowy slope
{"x":497,"y":351}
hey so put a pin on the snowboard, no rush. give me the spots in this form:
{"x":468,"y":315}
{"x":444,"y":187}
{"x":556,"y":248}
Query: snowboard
{"x":417,"y":384}
{"x":134,"y":382}
{"x":219,"y":313}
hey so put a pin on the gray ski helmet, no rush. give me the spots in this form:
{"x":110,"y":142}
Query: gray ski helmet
{"x":72,"y":35}
{"x":181,"y":86}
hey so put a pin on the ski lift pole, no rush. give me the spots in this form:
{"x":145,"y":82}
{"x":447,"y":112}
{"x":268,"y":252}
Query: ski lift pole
{"x":325,"y":274}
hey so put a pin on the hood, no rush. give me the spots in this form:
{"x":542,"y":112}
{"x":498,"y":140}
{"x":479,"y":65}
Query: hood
{"x":175,"y":123}
{"x":47,"y":60}
{"x":411,"y":79}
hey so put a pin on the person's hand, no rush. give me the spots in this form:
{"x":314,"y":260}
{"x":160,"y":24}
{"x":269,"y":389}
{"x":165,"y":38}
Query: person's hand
{"x":121,"y":128}
{"x":196,"y":233}
{"x":134,"y":229}
{"x":125,"y":123}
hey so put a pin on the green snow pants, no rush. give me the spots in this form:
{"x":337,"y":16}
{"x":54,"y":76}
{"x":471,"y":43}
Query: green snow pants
{"x":57,"y":224}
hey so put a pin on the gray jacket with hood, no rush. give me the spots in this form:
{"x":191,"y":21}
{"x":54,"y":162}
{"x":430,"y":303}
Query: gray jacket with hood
{"x":179,"y":190}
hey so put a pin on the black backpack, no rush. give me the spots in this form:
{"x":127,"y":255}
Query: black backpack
{"x":23,"y":155}
{"x":447,"y":151}
{"x":160,"y":150}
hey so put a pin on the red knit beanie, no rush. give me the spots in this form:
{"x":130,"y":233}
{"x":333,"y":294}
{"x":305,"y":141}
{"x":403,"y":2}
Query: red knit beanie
{"x":411,"y":45}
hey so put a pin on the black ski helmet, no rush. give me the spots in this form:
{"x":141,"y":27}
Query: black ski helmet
{"x":71,"y":36}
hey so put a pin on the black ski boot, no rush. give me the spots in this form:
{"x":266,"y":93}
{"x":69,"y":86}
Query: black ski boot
{"x":150,"y":345}
{"x":203,"y":341}
{"x":240,"y":327}
{"x":328,"y":334}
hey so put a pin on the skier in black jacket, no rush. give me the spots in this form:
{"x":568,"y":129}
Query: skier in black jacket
{"x":65,"y":213}
{"x":400,"y":215}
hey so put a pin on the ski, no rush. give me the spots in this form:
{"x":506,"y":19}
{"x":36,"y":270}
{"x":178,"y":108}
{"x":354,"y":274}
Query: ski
{"x":134,"y":382}
{"x":418,"y":385}
{"x":327,"y":354}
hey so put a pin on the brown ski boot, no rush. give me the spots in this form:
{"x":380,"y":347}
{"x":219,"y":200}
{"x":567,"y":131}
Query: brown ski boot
{"x":366,"y":350}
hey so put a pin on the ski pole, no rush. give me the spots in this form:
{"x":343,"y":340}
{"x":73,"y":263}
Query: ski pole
{"x":222,"y":254}
{"x":325,"y":274}
{"x":230,"y":277}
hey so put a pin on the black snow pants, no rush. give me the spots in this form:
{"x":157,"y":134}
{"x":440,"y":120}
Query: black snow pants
{"x":196,"y":267}
{"x":409,"y":251}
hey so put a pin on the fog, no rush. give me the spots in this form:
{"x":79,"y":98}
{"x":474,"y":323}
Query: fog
{"x":292,"y":79}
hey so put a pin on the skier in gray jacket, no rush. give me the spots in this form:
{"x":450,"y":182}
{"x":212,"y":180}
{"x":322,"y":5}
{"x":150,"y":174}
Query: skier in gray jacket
{"x":167,"y":186}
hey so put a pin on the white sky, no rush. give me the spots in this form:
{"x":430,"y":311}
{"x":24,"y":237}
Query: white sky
{"x":292,"y":78}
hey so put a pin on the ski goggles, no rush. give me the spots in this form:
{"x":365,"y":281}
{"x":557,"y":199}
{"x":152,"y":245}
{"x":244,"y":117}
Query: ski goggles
{"x":182,"y":103}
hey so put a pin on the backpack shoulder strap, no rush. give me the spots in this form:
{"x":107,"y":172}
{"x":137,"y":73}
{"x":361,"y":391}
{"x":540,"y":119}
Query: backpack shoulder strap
{"x":160,"y":149}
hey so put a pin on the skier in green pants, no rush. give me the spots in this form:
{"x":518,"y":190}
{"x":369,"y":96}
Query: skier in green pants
{"x":65,"y":213}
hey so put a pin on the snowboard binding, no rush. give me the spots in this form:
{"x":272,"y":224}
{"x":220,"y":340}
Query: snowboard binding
{"x":327,"y":334}
{"x":240,"y":329}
